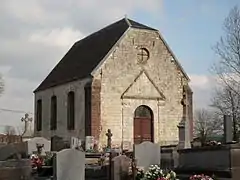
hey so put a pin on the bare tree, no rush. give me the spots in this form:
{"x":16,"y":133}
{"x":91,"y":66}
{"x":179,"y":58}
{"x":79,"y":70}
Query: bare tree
{"x":1,"y":85}
{"x":227,"y":69}
{"x":206,"y":123}
{"x":10,"y":132}
{"x":20,"y":130}
{"x":227,"y":102}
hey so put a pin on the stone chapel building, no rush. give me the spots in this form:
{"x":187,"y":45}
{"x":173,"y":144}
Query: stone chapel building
{"x":123,"y":77}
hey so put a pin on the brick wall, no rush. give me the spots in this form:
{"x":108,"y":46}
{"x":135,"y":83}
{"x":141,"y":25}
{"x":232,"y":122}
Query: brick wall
{"x":96,"y":109}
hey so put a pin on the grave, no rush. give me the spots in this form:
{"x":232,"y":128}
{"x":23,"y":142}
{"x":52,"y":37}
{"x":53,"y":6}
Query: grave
{"x":32,"y":144}
{"x":58,"y":144}
{"x":222,"y":161}
{"x":69,"y":164}
{"x":146,"y":154}
{"x":89,"y":143}
{"x":120,"y":167}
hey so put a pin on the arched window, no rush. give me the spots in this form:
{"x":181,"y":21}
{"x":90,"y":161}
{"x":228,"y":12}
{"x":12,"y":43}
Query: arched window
{"x":39,"y":115}
{"x":142,"y":112}
{"x":71,"y":111}
{"x":53,"y":120}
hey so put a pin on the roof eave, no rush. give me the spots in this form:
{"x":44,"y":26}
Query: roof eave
{"x":109,"y":52}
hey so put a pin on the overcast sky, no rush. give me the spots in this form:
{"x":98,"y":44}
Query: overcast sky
{"x":35,"y":34}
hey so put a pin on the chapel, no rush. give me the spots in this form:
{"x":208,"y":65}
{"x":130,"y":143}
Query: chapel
{"x":123,"y":77}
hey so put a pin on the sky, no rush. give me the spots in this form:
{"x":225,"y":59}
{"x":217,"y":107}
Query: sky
{"x":35,"y":35}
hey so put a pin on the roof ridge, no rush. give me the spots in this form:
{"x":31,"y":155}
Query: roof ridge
{"x":127,"y":21}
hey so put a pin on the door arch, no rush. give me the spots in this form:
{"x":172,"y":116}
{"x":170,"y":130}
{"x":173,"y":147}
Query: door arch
{"x":143,"y":125}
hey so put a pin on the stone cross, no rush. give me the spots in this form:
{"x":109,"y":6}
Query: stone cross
{"x":27,"y":122}
{"x":109,"y":138}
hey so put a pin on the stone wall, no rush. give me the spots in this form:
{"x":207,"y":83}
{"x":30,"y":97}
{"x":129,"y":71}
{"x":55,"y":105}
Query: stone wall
{"x":61,"y":93}
{"x":121,"y":70}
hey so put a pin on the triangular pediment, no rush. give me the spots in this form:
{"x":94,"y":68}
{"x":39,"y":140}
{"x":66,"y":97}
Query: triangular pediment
{"x":143,"y":88}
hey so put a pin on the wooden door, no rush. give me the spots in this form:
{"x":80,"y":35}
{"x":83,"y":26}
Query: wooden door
{"x":142,"y":130}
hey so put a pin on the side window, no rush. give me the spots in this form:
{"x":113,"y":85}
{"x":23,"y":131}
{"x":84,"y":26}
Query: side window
{"x":71,"y":111}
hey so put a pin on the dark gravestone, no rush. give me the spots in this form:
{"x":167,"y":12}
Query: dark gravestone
{"x":10,"y":150}
{"x":120,"y":167}
{"x":146,"y":154}
{"x":58,"y":144}
{"x":228,"y":129}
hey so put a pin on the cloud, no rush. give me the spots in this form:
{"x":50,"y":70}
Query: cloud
{"x":56,"y":37}
{"x":35,"y":35}
{"x":202,"y":86}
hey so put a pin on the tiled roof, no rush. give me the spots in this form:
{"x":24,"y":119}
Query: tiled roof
{"x":87,"y":53}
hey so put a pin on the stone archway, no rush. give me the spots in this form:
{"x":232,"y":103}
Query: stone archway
{"x":143,"y":125}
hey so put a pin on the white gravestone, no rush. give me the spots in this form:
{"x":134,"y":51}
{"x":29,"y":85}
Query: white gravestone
{"x":146,"y":154}
{"x":32,"y":144}
{"x":70,"y":165}
{"x":89,"y":143}
{"x":75,"y":143}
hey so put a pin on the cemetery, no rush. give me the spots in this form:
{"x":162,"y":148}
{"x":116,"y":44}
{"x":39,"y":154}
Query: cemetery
{"x":39,"y":158}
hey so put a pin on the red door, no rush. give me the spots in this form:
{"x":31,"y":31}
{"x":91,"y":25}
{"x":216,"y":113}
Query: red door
{"x":142,"y":130}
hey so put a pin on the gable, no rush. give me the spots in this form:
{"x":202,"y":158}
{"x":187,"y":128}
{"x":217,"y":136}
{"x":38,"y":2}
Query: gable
{"x":143,"y":88}
{"x":85,"y":55}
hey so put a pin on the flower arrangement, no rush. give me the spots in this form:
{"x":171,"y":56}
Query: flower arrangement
{"x":155,"y":173}
{"x":200,"y":177}
{"x":36,"y":161}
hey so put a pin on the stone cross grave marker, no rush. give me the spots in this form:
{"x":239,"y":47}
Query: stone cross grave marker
{"x":109,"y":138}
{"x":146,"y":154}
{"x":27,"y":126}
{"x":228,"y":129}
{"x":120,"y":167}
{"x":69,"y":165}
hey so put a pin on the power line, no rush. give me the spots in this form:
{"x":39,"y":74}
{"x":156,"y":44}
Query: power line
{"x":14,"y":111}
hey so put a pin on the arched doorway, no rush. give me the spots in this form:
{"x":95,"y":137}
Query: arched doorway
{"x":143,"y":124}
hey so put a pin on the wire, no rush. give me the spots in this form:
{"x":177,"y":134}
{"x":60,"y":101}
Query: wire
{"x":14,"y":111}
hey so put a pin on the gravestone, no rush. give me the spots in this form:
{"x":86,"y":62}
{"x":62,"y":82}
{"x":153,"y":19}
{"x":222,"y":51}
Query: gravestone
{"x":126,"y":145}
{"x":75,"y":143}
{"x":69,"y":164}
{"x":57,"y":143}
{"x":120,"y":167}
{"x":32,"y":144}
{"x":10,"y":150}
{"x":146,"y":154}
{"x":228,"y":129}
{"x":89,"y":143}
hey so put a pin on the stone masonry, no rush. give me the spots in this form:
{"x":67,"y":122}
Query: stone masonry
{"x":120,"y":84}
{"x":121,"y":68}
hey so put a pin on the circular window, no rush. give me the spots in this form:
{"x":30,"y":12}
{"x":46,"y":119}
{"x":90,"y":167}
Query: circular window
{"x":143,"y":55}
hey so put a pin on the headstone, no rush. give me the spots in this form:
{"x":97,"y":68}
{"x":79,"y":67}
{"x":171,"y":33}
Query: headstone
{"x":37,"y":141}
{"x":126,"y":145}
{"x":69,"y":164}
{"x":57,"y":143}
{"x":146,"y":154}
{"x":228,"y":129}
{"x":120,"y":167}
{"x":89,"y":143}
{"x":10,"y":150}
{"x":75,"y":143}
